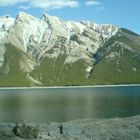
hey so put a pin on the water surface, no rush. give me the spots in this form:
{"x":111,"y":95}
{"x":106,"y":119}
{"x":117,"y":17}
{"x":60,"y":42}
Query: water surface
{"x":65,"y":104}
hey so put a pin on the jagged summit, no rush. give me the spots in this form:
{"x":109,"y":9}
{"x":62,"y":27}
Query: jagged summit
{"x":51,"y":38}
{"x":28,"y":33}
{"x":105,"y":30}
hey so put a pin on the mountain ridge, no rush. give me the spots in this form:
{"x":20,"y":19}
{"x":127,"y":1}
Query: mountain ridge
{"x":53,"y":52}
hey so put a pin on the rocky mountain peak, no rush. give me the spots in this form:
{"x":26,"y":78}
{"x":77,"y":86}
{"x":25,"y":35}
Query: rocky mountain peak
{"x":105,"y":30}
{"x":37,"y":37}
{"x":66,"y":43}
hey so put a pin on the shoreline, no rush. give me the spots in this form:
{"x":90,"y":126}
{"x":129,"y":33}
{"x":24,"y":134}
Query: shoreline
{"x":73,"y":87}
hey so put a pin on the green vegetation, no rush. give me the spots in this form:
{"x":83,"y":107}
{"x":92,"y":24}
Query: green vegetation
{"x":53,"y":72}
{"x":124,"y":69}
{"x":115,"y":64}
{"x":10,"y":72}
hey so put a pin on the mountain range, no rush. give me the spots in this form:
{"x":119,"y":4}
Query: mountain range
{"x":53,"y":52}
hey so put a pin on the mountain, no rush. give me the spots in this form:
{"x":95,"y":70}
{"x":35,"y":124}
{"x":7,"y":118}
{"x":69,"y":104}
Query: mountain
{"x":53,"y":52}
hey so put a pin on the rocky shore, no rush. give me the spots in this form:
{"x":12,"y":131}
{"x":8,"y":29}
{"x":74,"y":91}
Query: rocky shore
{"x":87,"y":129}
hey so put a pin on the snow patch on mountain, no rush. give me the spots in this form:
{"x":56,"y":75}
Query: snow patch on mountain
{"x":26,"y":30}
{"x":105,"y":30}
{"x":5,"y":23}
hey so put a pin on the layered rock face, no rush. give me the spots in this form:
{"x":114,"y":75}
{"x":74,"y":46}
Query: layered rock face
{"x":51,"y":36}
{"x":62,"y":49}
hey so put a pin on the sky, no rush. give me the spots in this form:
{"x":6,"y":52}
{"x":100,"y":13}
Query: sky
{"x":123,"y":13}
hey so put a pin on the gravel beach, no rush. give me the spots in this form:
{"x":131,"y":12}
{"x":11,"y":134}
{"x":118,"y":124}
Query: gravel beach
{"x":87,"y":129}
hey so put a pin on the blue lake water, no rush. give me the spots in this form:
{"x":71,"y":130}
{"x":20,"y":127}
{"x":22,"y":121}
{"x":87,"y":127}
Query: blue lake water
{"x":65,"y":104}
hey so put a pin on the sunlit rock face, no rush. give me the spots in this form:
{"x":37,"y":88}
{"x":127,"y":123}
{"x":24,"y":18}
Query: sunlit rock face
{"x":65,"y":42}
{"x":5,"y":23}
{"x":37,"y":36}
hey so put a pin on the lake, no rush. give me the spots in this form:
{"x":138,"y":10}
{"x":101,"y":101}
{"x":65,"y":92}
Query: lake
{"x":66,"y":104}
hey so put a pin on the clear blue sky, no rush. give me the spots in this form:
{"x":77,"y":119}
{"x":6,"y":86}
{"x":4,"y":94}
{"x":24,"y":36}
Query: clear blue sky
{"x":124,"y":13}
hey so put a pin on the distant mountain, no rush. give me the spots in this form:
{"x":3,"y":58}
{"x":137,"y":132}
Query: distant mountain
{"x":53,"y":52}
